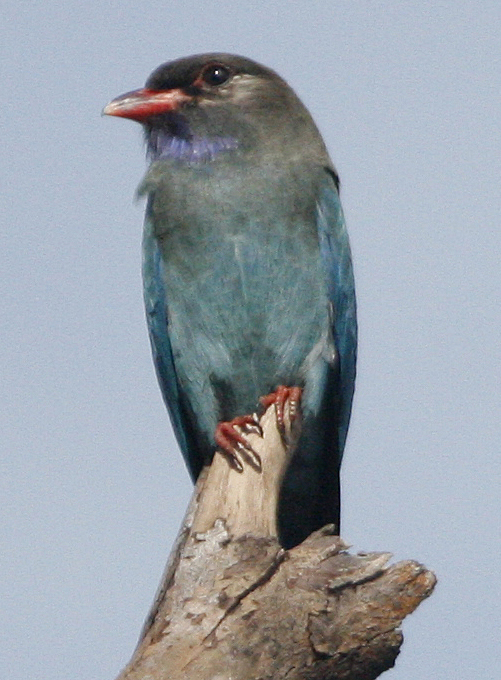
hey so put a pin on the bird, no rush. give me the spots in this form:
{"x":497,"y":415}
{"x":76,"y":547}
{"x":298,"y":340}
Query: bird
{"x":247,"y":270}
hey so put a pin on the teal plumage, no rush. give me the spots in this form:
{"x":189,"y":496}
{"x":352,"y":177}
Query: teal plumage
{"x":247,"y":271}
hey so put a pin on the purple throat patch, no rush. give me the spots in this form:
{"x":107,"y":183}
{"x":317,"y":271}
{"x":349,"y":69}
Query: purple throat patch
{"x":162,"y":144}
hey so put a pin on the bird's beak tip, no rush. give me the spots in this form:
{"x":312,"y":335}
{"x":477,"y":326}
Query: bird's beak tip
{"x":139,"y":105}
{"x":108,"y":110}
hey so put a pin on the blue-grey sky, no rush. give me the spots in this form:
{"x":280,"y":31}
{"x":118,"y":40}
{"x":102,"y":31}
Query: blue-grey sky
{"x":93,"y":489}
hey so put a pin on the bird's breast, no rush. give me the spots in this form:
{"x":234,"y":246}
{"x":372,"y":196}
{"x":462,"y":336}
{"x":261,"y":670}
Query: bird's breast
{"x":243,"y":283}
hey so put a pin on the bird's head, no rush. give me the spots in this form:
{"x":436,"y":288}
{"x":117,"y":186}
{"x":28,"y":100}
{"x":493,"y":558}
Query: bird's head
{"x":199,"y":107}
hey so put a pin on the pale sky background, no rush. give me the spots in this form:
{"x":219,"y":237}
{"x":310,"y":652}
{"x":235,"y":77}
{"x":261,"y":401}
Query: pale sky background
{"x":93,"y":489}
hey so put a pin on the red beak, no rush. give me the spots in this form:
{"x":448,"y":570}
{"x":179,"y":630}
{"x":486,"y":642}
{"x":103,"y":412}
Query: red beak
{"x":142,"y":104}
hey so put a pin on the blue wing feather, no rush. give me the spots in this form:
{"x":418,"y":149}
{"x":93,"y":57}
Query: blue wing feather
{"x":338,"y":270}
{"x":157,"y":318}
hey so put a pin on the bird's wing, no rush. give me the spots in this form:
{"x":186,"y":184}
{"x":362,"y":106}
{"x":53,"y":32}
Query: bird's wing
{"x":338,"y":272}
{"x":155,"y":301}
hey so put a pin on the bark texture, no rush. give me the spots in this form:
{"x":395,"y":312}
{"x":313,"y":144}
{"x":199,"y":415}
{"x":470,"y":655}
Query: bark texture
{"x":233,"y":605}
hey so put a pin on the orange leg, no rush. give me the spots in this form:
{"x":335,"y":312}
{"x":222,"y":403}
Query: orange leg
{"x":279,"y":397}
{"x":231,"y":442}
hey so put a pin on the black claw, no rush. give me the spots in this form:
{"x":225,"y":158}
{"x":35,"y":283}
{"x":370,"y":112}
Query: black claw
{"x":251,"y":455}
{"x":235,"y":463}
{"x":254,"y":427}
{"x":232,"y":459}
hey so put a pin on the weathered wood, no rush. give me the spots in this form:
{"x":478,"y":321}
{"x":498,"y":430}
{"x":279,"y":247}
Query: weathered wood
{"x":247,"y":500}
{"x":234,"y":605}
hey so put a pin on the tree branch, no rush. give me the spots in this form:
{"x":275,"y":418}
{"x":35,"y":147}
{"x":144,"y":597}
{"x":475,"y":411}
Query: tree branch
{"x":234,"y":604}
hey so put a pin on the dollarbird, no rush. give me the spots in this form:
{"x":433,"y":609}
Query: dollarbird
{"x":248,"y":279}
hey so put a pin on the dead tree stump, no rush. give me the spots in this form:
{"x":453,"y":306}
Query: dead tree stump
{"x":233,"y":605}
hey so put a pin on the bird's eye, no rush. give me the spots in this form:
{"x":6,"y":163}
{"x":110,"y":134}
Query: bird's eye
{"x":215,"y":75}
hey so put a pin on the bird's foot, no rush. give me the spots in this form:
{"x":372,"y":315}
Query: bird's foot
{"x":279,"y":397}
{"x":234,"y":446}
